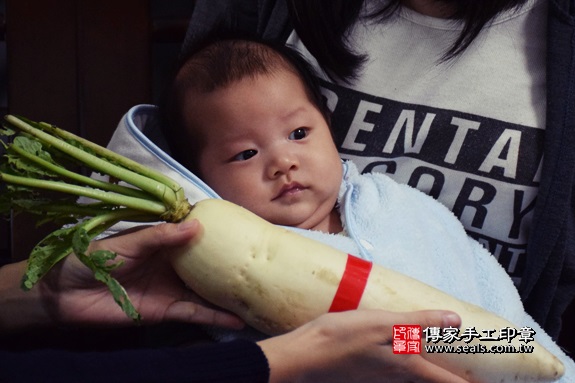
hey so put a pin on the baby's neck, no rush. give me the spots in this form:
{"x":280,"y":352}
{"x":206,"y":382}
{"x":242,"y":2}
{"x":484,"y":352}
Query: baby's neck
{"x":332,"y":224}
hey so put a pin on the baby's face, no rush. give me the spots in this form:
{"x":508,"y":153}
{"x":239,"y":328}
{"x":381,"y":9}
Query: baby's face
{"x":268,"y":149}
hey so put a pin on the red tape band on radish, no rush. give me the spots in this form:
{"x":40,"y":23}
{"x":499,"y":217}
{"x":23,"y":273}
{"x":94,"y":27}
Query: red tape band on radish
{"x":352,"y":284}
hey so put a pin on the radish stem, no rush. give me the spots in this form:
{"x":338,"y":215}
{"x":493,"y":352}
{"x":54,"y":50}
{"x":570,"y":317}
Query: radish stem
{"x":34,"y":161}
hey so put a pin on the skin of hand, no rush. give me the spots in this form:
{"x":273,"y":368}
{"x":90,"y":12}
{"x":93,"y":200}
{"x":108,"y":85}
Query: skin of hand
{"x":69,"y":294}
{"x":354,"y":346}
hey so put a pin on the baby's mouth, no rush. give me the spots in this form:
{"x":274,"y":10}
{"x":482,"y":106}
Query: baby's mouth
{"x":289,"y":189}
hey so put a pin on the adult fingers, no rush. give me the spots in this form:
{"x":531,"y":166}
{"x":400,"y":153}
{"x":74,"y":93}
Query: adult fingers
{"x":149,"y":239}
{"x":431,"y":318}
{"x":192,"y":312}
{"x":379,"y":323}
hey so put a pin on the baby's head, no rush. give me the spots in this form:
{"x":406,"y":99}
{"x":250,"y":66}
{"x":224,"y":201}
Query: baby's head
{"x":249,"y":119}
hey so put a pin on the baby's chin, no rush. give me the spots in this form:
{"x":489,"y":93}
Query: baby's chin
{"x":311,"y":224}
{"x":292,"y":221}
{"x":319,"y":219}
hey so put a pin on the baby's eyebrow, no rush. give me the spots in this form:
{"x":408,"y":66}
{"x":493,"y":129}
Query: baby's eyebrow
{"x":232,"y":137}
{"x":293,"y":113}
{"x":234,"y":144}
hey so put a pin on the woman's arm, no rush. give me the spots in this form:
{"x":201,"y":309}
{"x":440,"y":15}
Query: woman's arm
{"x":232,"y":362}
{"x":19,"y":309}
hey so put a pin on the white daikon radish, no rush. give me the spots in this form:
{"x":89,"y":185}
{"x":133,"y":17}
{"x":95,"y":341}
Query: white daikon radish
{"x":277,"y":280}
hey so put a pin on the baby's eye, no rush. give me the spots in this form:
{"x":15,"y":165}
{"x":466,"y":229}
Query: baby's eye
{"x":245,"y":155}
{"x":298,"y":134}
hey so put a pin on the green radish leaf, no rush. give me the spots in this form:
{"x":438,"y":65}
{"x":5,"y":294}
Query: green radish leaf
{"x":33,"y":147}
{"x":100,"y":262}
{"x":17,"y":165}
{"x":6,"y":131}
{"x":51,"y":250}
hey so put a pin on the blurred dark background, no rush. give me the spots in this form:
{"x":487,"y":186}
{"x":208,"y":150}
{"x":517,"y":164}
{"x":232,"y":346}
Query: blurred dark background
{"x":81,"y":64}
